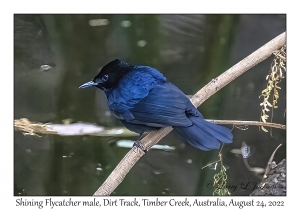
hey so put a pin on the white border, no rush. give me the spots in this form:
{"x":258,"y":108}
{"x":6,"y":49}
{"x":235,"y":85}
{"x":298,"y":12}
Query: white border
{"x":8,"y":8}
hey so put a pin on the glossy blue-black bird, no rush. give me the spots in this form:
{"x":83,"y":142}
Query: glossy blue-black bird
{"x":142,"y":98}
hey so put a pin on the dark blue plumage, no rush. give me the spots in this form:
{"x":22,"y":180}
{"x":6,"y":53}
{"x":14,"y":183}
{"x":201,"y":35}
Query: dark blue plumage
{"x":142,"y":98}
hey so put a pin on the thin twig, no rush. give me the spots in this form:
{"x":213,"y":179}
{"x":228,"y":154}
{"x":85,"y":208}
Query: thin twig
{"x":211,"y":163}
{"x":32,"y":128}
{"x":219,"y":155}
{"x":238,"y":122}
{"x":119,"y":173}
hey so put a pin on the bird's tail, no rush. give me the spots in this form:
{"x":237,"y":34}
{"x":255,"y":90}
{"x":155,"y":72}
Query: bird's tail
{"x":205,"y":135}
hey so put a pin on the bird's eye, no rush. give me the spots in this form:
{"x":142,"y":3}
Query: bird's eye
{"x":105,"y":78}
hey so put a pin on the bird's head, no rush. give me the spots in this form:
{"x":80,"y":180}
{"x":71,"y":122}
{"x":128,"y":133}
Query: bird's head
{"x":110,"y":75}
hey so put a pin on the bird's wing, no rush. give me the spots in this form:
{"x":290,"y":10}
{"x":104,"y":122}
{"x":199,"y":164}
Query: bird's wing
{"x":144,"y":97}
{"x":165,"y":105}
{"x":131,"y":89}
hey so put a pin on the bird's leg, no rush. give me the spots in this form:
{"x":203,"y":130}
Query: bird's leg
{"x":138,"y":143}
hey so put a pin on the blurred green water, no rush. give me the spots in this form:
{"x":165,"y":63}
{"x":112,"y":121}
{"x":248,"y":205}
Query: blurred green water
{"x":189,"y":50}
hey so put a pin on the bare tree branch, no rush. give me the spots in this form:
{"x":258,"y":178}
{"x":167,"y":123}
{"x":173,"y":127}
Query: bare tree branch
{"x":257,"y":123}
{"x":35,"y":128}
{"x":119,"y":173}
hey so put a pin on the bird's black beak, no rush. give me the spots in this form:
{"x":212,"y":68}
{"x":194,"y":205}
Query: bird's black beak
{"x":89,"y":84}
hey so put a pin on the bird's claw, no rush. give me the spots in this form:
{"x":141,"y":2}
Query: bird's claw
{"x":139,"y":145}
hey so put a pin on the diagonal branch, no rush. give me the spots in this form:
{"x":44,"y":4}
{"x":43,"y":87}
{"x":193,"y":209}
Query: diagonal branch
{"x":119,"y":173}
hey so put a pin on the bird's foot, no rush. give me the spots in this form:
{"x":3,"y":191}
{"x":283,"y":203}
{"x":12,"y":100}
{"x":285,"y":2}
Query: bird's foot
{"x":139,"y":145}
